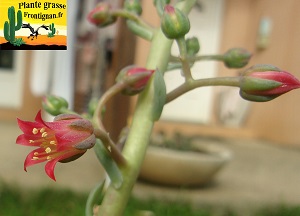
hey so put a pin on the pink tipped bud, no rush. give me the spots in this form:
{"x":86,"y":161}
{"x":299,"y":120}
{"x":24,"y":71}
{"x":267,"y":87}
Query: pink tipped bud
{"x":266,"y":82}
{"x":101,"y":15}
{"x":136,"y":77}
{"x":174,"y":23}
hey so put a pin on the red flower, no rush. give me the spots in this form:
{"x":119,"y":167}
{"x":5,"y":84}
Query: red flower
{"x":63,"y":140}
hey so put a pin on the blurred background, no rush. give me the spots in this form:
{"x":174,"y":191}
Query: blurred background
{"x":262,"y":132}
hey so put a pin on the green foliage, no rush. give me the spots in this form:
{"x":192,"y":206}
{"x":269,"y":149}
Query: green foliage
{"x":9,"y":26}
{"x":18,"y":42}
{"x":52,"y":29}
{"x":281,"y":210}
{"x":53,"y":202}
{"x":46,"y":202}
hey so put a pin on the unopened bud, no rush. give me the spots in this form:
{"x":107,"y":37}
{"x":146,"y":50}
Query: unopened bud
{"x":54,"y":104}
{"x":236,"y":58}
{"x":133,"y":6}
{"x":174,"y":23}
{"x":136,"y":77}
{"x":266,"y":82}
{"x":101,"y":15}
{"x":193,"y":46}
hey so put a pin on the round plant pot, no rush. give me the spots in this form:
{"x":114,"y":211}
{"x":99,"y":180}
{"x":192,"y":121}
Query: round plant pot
{"x":184,"y":168}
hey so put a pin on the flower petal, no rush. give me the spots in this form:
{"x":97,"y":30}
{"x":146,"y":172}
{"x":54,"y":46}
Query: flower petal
{"x":29,"y":159}
{"x":27,"y":126}
{"x":49,"y":167}
{"x":25,"y":140}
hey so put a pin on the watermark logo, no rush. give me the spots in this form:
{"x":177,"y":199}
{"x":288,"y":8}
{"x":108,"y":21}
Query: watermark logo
{"x":33,"y":25}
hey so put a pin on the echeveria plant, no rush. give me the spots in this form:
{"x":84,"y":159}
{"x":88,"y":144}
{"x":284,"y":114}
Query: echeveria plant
{"x":70,"y":135}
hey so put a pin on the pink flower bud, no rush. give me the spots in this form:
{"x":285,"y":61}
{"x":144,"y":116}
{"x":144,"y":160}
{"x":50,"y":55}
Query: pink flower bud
{"x":174,"y":23}
{"x":101,"y":15}
{"x":65,"y":139}
{"x":131,"y":73}
{"x":266,"y":82}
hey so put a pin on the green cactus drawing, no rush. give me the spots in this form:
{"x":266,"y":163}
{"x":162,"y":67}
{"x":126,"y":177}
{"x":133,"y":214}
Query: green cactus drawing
{"x":52,"y":29}
{"x":9,"y":26}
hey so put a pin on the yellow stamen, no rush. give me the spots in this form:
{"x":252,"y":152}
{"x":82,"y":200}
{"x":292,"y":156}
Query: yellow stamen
{"x":42,"y":130}
{"x":53,"y":142}
{"x":35,"y":158}
{"x":49,"y":158}
{"x":48,"y":150}
{"x":44,"y":134}
{"x":109,"y":148}
{"x":35,"y":131}
{"x":31,"y":141}
{"x":35,"y":153}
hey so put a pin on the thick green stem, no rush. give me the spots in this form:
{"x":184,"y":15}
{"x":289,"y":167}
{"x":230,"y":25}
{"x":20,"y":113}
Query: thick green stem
{"x":115,"y":200}
{"x":188,"y":86}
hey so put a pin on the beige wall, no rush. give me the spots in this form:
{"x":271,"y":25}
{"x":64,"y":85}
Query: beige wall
{"x":277,"y":120}
{"x":31,"y":104}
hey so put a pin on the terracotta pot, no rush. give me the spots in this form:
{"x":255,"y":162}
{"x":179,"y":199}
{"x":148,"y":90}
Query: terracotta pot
{"x":184,"y":168}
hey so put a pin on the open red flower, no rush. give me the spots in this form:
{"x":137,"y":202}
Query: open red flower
{"x":65,"y":139}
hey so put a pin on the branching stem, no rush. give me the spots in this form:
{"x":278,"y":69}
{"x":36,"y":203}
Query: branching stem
{"x":188,"y":86}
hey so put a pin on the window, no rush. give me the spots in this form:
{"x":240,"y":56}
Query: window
{"x":6,"y":59}
{"x":12,"y":64}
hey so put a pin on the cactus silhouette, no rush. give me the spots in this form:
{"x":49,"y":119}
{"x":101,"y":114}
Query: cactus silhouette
{"x":9,"y":26}
{"x":52,"y":29}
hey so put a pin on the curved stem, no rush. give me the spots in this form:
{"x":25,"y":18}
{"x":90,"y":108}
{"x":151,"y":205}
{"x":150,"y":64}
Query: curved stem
{"x":131,"y":16}
{"x":112,"y":91}
{"x":99,"y":129}
{"x":110,"y":146}
{"x":218,"y":81}
{"x":140,"y":30}
{"x":97,"y":118}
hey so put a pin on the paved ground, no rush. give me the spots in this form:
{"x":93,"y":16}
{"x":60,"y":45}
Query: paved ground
{"x":260,"y":173}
